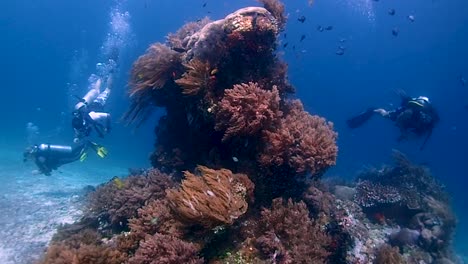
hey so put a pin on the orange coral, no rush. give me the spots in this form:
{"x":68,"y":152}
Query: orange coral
{"x":197,"y":77}
{"x":217,"y":197}
{"x":304,"y":142}
{"x":246,"y":109}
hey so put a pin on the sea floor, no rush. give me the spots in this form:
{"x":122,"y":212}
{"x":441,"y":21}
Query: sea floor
{"x":33,"y":206}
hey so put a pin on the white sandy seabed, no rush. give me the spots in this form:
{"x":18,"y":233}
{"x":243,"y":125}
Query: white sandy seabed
{"x":33,"y":206}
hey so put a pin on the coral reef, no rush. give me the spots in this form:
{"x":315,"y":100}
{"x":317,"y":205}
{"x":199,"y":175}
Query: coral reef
{"x":302,"y":142}
{"x":388,"y":255}
{"x":288,"y":235}
{"x":247,"y":109}
{"x":238,"y":168}
{"x":165,"y":249}
{"x":118,"y":201}
{"x":217,"y":197}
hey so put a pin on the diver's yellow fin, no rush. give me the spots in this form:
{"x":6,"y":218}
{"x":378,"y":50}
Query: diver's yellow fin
{"x":102,"y":152}
{"x":83,"y":156}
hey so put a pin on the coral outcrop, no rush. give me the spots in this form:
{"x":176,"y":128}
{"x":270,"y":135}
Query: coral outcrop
{"x":238,"y":166}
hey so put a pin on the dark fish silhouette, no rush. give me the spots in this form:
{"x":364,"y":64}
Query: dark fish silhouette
{"x":320,"y":28}
{"x":302,"y":19}
{"x":329,"y":28}
{"x":285,"y":45}
{"x":391,"y":12}
{"x":285,"y":35}
{"x":302,"y":37}
{"x":204,"y":5}
{"x":294,"y":47}
{"x":395,"y":32}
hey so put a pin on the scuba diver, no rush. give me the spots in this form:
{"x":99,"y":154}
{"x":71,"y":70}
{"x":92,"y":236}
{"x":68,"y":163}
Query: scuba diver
{"x":415,"y":116}
{"x":88,"y":115}
{"x":49,"y":157}
{"x":89,"y":112}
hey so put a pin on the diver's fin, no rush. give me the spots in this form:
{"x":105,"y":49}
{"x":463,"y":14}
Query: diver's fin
{"x":360,"y":119}
{"x":102,"y":152}
{"x":83,"y":156}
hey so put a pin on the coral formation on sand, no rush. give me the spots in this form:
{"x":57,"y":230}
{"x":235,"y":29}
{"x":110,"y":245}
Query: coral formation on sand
{"x":237,"y":168}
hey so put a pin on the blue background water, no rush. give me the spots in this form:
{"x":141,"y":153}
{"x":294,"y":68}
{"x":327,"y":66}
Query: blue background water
{"x":43,"y":41}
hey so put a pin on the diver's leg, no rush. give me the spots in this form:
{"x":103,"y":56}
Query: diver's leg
{"x":101,"y":99}
{"x":90,"y":96}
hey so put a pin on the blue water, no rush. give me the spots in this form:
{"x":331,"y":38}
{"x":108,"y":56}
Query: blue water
{"x":47,"y":45}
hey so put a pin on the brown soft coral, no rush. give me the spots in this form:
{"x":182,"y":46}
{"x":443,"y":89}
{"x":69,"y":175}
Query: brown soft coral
{"x":155,"y":216}
{"x":119,"y":200}
{"x":166,"y":249}
{"x":388,"y":255}
{"x":152,"y":73}
{"x":84,"y":247}
{"x":304,"y":142}
{"x":85,"y":254}
{"x":246,"y":109}
{"x":198,"y":77}
{"x":217,"y":197}
{"x":288,"y":235}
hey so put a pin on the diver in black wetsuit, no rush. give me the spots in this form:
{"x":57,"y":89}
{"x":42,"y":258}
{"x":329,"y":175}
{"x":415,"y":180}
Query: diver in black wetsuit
{"x":415,"y":116}
{"x":49,"y":157}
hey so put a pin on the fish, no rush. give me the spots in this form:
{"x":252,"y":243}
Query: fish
{"x":339,"y":52}
{"x":329,"y":28}
{"x":180,"y":50}
{"x":204,"y":4}
{"x":303,"y":37}
{"x":391,"y":12}
{"x":411,"y":18}
{"x":235,"y":159}
{"x":285,"y":45}
{"x":214,"y":71}
{"x":118,"y":182}
{"x":302,"y":19}
{"x":342,"y":40}
{"x":342,"y":47}
{"x":395,"y":32}
{"x":319,"y":28}
{"x":285,"y":35}
{"x":311,"y":2}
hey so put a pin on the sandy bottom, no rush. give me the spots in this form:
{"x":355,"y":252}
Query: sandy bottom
{"x":33,"y":206}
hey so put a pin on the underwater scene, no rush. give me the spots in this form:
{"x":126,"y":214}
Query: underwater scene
{"x":234,"y":132}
